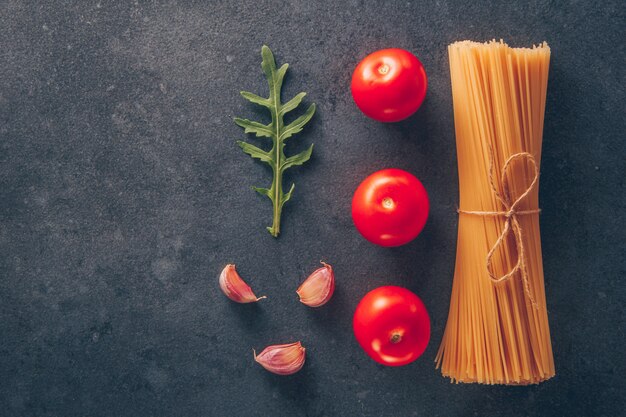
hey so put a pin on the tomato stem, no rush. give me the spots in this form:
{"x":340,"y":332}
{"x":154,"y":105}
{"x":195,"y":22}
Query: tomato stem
{"x":396,"y":337}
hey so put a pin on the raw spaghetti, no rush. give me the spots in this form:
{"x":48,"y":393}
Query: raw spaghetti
{"x":497,"y":330}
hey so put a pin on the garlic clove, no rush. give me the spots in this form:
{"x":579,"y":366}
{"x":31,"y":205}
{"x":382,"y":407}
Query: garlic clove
{"x":236,"y":288}
{"x":282,"y":359}
{"x":318,"y":288}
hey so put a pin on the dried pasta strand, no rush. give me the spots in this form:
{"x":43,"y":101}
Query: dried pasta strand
{"x":494,"y":334}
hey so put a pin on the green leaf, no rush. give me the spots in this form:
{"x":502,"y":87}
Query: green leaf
{"x":262,"y":191}
{"x":268,"y":64}
{"x":255,"y":152}
{"x":278,"y":132}
{"x":255,"y":99}
{"x":287,"y":197}
{"x":297,"y":125}
{"x":298,"y":159}
{"x":280,"y":76}
{"x":259,"y":129}
{"x":293,"y":103}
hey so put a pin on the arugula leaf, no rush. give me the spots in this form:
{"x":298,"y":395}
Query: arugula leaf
{"x":278,"y":132}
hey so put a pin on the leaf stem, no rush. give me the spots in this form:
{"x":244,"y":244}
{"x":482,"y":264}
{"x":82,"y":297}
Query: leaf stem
{"x":278,"y":206}
{"x":277,"y":121}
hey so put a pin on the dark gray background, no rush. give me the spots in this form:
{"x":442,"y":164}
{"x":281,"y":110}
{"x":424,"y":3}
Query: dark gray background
{"x":123,"y":194}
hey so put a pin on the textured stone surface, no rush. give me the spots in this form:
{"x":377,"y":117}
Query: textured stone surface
{"x":122,"y":195}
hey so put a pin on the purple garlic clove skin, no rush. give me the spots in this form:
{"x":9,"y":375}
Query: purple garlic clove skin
{"x":236,"y":288}
{"x":318,"y":288}
{"x":282,"y":359}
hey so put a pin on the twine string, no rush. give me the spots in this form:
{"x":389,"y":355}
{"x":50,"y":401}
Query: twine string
{"x":511,"y":224}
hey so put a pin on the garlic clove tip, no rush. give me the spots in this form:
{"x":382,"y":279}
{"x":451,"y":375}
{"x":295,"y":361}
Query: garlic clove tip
{"x":318,"y":288}
{"x":235,"y":288}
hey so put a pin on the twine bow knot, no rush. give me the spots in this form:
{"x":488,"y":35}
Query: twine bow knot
{"x":511,"y":224}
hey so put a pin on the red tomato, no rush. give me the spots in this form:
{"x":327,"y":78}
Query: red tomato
{"x":392,"y":325}
{"x":390,"y":207}
{"x":389,"y":85}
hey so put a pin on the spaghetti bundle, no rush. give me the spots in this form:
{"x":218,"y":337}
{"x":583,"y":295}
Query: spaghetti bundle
{"x":497,"y":330}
